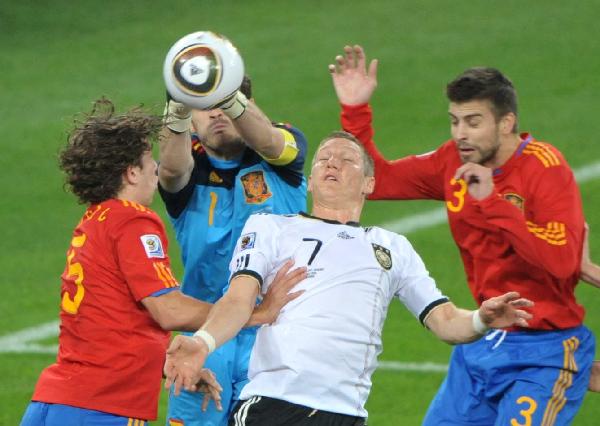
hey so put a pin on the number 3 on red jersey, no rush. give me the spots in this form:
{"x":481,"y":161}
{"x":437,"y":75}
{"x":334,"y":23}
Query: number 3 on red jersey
{"x":75,"y":270}
{"x":458,"y":197}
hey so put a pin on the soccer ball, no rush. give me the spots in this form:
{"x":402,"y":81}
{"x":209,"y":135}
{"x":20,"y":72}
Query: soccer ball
{"x":202,"y":69}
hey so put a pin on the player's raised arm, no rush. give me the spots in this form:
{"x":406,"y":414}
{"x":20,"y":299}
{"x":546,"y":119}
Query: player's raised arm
{"x":354,"y":84}
{"x":455,"y":325}
{"x":176,"y":162}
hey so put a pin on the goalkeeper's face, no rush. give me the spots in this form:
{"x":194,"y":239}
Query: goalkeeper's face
{"x":217,"y":133}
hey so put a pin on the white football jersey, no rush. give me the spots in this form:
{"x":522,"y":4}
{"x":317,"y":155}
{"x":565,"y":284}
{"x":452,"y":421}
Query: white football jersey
{"x":323,"y":348}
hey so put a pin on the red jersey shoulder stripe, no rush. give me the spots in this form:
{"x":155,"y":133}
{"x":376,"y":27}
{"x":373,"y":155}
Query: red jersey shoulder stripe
{"x":543,"y":153}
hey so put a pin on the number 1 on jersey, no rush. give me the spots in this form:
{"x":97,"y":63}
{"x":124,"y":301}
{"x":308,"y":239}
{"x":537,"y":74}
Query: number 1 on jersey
{"x":211,"y":209}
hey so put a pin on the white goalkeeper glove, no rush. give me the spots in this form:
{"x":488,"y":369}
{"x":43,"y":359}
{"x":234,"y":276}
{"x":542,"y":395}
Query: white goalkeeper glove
{"x":233,"y":106}
{"x":177,"y":116}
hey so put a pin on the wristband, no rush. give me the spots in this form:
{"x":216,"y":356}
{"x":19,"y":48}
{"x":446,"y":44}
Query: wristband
{"x":236,"y":106}
{"x":177,"y":116}
{"x":208,"y":339}
{"x":478,"y":325}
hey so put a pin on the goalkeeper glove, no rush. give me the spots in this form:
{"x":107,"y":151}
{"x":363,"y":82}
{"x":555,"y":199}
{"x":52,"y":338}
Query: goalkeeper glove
{"x":233,"y":106}
{"x":177,"y":116}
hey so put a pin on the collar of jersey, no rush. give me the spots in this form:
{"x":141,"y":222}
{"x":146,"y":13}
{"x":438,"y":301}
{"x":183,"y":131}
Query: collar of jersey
{"x":225,"y":164}
{"x":333,"y":222}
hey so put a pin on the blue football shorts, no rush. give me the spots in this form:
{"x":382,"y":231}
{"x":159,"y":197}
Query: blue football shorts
{"x":43,"y":414}
{"x":522,"y":378}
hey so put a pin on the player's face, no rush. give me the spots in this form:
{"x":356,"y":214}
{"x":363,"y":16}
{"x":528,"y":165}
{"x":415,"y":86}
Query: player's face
{"x":338,"y":172}
{"x":217,"y":133}
{"x":475,"y":130}
{"x":148,"y":179}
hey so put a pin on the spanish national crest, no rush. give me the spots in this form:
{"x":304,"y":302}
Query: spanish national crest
{"x":515,"y":199}
{"x":255,"y":187}
{"x":383,"y":256}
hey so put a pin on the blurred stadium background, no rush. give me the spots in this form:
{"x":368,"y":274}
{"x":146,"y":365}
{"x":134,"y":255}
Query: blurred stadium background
{"x":57,"y":57}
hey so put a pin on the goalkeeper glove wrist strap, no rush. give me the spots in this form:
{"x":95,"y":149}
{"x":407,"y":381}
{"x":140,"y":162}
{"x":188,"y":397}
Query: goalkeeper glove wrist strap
{"x":236,"y":106}
{"x":177,"y":117}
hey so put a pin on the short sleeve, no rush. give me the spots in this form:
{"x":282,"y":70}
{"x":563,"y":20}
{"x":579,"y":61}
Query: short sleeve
{"x":255,"y":248}
{"x":141,"y":249}
{"x":416,"y":288}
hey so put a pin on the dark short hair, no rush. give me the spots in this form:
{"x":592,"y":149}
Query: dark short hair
{"x":484,"y":83}
{"x":368,"y":163}
{"x":100,"y":148}
{"x":246,"y":87}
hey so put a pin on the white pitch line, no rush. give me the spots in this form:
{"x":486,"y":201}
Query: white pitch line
{"x":20,"y":342}
{"x":23,"y":341}
{"x":426,"y":367}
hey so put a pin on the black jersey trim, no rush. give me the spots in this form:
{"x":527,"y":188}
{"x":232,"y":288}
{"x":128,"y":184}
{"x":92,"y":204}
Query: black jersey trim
{"x":333,"y":222}
{"x":429,"y":307}
{"x":250,"y":274}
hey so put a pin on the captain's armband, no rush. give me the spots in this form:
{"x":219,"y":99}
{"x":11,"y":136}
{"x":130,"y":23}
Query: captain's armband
{"x":290,"y":150}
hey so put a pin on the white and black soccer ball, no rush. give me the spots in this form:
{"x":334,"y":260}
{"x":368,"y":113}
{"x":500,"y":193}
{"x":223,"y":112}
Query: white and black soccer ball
{"x":203,"y":68}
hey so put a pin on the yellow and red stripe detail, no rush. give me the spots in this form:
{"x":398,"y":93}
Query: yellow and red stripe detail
{"x":564,"y":381}
{"x":543,"y":153}
{"x":553,"y":233}
{"x":165,"y":275}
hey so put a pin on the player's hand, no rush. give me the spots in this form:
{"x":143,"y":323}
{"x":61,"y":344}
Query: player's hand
{"x":353,"y":83}
{"x":504,"y":311}
{"x":279,"y":294}
{"x":594,"y":385}
{"x":232,"y":106}
{"x":211,"y":388}
{"x":183,"y":365}
{"x":177,"y":116}
{"x":480,"y":182}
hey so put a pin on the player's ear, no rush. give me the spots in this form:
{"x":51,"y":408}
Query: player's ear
{"x":131,"y":176}
{"x":368,"y":185}
{"x":507,"y":123}
{"x":309,"y":186}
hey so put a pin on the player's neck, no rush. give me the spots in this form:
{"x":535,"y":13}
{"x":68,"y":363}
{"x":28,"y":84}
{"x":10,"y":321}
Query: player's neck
{"x":129,"y":193}
{"x":340,"y":214}
{"x":508,"y":146}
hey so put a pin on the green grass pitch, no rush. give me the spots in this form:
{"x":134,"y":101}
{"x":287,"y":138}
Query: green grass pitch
{"x":57,"y":57}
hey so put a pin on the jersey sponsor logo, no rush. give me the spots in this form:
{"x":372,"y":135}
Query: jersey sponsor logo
{"x":515,"y":199}
{"x":256,"y":189}
{"x":345,"y":236}
{"x":176,"y":422}
{"x":383,"y":256}
{"x":214,"y":177}
{"x":247,"y":241}
{"x":152,"y":245}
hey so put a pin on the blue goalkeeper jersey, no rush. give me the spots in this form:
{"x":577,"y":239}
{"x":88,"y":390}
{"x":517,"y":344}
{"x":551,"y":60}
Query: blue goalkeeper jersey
{"x":208,"y":214}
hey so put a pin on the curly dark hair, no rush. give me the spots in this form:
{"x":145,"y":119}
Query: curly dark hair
{"x":101,"y":147}
{"x":484,"y":83}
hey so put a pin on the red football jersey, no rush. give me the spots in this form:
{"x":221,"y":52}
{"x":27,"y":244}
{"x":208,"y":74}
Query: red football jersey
{"x":525,"y":237}
{"x":111,"y":351}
